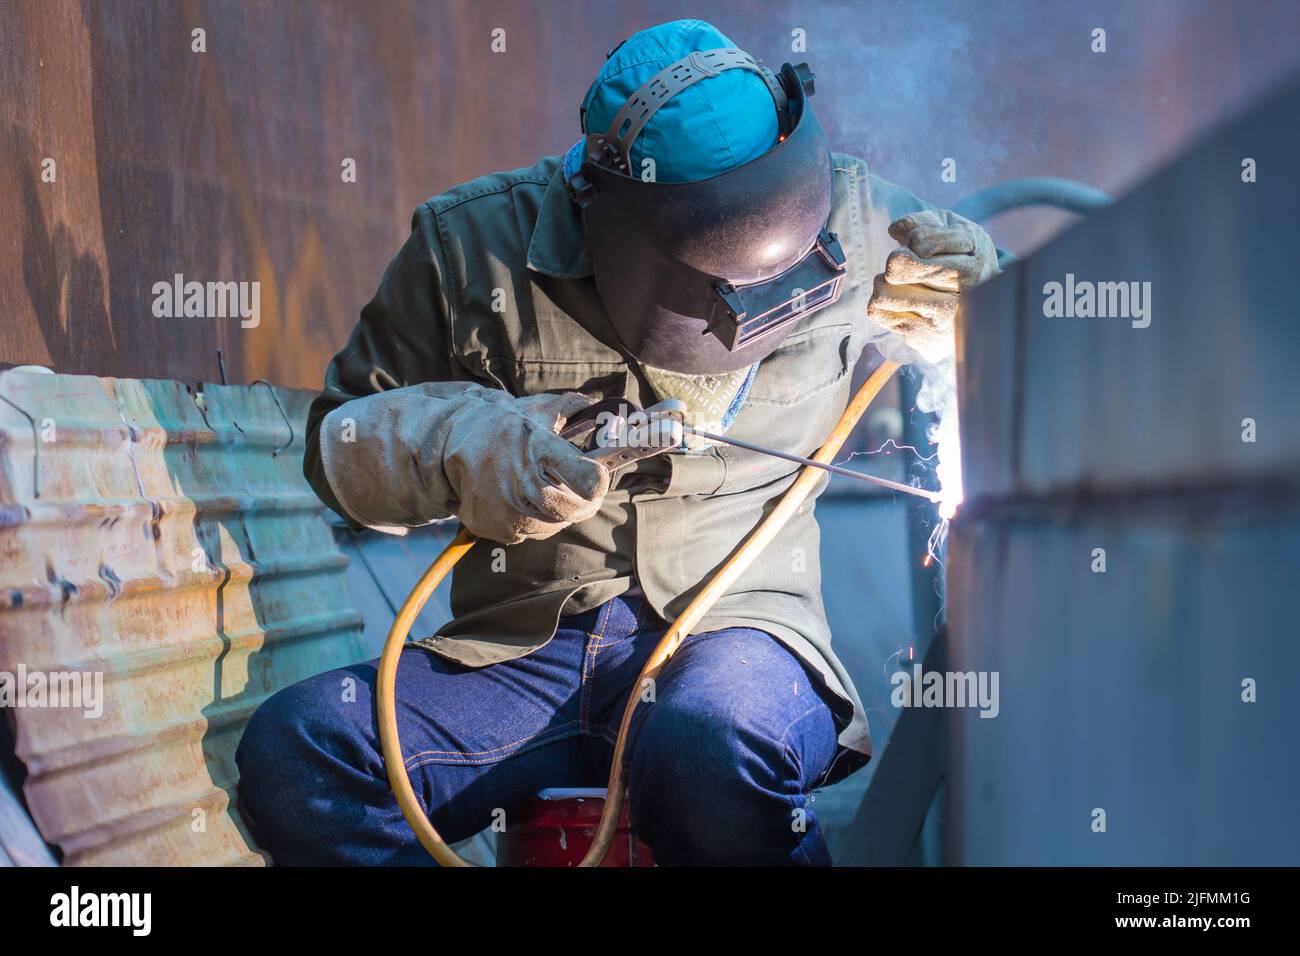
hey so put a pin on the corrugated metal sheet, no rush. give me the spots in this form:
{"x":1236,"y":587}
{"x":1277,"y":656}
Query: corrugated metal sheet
{"x":20,"y":844}
{"x":1122,"y":690}
{"x":179,"y":551}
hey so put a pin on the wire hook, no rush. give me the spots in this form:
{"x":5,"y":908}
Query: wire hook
{"x":36,"y":447}
{"x":283,"y":414}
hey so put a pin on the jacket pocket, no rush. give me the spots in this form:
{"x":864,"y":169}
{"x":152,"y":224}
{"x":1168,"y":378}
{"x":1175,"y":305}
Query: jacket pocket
{"x":807,"y":363}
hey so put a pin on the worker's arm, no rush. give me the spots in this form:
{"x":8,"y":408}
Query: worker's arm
{"x":401,"y":435}
{"x":401,"y":339}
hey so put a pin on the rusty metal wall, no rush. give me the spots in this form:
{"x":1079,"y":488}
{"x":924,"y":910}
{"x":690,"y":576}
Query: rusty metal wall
{"x":1126,"y":556}
{"x":176,"y":548}
{"x":225,"y":165}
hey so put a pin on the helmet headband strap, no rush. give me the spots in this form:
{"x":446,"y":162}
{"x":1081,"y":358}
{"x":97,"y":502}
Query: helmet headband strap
{"x":613,"y":147}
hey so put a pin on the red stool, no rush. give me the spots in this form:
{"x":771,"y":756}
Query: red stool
{"x":556,"y":827}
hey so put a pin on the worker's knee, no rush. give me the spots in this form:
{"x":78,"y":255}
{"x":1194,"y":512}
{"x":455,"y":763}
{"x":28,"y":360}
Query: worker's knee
{"x":710,"y":785}
{"x":295,"y":742}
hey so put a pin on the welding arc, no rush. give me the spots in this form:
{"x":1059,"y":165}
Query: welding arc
{"x":811,"y":463}
{"x":735,"y":566}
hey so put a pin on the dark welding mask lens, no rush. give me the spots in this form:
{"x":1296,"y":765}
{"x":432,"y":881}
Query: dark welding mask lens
{"x":743,"y":314}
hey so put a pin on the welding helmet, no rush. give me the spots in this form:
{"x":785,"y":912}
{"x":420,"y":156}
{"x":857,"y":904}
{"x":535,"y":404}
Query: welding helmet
{"x":709,"y":276}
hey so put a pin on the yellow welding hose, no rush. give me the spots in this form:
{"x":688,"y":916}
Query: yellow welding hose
{"x":735,"y":566}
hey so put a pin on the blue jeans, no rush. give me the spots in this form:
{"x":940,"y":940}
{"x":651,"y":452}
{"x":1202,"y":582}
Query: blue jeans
{"x":718,"y":766}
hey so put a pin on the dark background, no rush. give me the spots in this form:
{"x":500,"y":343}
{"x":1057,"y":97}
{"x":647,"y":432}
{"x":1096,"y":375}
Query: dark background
{"x":226,"y":165}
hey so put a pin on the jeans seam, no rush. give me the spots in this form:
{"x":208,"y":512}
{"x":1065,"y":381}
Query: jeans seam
{"x":786,"y":733}
{"x":589,"y":666}
{"x":591,"y":682}
{"x":523,"y":743}
{"x":606,"y":733}
{"x":800,"y":850}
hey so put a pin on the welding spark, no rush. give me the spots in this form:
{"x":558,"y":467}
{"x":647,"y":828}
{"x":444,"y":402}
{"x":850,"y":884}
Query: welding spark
{"x":935,"y":546}
{"x":882,"y":449}
{"x":887,"y":444}
{"x":896,"y":656}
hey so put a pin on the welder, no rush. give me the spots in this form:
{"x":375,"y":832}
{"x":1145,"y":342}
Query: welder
{"x":699,"y":242}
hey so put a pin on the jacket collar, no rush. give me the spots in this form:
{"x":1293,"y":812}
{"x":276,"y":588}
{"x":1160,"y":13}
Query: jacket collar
{"x":559,"y":243}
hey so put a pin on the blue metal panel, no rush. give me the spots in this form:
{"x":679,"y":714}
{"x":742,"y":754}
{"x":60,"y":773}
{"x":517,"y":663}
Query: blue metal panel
{"x":383,"y":568}
{"x":1121,"y":691}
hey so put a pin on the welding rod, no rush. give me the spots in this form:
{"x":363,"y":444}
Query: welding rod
{"x":799,"y":460}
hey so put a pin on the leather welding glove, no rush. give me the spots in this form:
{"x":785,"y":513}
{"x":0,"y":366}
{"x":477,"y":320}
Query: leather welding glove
{"x":916,"y":296}
{"x":405,"y":457}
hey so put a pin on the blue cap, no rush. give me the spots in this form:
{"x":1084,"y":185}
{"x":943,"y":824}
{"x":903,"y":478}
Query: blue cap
{"x":717,"y":124}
